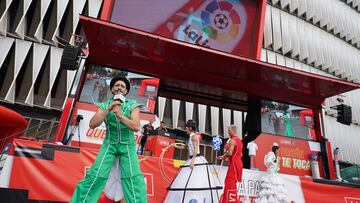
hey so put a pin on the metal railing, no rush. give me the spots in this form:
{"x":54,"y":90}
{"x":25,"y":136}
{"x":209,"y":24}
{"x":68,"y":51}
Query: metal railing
{"x":40,"y":134}
{"x":206,"y":150}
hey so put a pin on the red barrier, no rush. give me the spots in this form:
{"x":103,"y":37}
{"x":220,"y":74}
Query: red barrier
{"x":155,"y":143}
{"x":50,"y":172}
{"x":317,"y":192}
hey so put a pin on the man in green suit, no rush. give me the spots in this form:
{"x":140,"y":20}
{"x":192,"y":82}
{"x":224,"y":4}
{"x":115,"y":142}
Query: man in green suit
{"x":121,"y":116}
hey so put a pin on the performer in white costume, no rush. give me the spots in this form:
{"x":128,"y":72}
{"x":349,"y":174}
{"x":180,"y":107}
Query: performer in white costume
{"x":252,"y":147}
{"x":272,"y":188}
{"x":197,"y":180}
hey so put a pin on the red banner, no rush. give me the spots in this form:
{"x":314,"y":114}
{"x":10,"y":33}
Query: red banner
{"x":317,"y":192}
{"x":294,"y":154}
{"x":41,"y":169}
{"x":48,"y":172}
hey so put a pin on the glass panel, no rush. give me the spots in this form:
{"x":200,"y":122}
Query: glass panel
{"x":97,"y":86}
{"x":287,"y":120}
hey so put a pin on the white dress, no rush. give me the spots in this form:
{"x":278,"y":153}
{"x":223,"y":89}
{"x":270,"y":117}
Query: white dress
{"x":201,"y":184}
{"x":272,"y":188}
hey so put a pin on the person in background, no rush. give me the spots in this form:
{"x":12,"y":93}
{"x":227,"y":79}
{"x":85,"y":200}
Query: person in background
{"x":288,"y":130}
{"x":162,"y":127}
{"x":103,"y":91}
{"x":145,"y":131}
{"x":270,"y":119}
{"x":96,"y":86}
{"x":276,"y":122}
{"x":252,"y":147}
{"x":234,"y":173}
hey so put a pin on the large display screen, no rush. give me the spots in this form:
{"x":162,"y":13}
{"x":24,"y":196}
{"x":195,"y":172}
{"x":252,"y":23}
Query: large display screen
{"x":287,"y":120}
{"x":97,"y":87}
{"x":226,"y":25}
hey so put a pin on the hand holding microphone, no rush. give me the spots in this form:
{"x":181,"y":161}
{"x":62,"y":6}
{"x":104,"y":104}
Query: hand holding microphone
{"x":116,"y":104}
{"x":119,"y":97}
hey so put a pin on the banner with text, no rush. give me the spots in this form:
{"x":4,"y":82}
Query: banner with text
{"x":294,"y":154}
{"x":46,"y":165}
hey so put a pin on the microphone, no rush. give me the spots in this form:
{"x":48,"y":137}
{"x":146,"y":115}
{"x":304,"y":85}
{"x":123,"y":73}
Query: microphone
{"x":119,"y":97}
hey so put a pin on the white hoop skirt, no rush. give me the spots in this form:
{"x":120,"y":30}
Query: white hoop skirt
{"x":201,"y":184}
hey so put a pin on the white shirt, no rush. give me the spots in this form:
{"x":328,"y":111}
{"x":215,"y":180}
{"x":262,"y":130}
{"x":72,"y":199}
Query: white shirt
{"x":252,"y":147}
{"x":191,"y":145}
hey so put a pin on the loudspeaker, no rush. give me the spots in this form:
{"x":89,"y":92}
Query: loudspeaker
{"x":70,"y":57}
{"x":344,"y":114}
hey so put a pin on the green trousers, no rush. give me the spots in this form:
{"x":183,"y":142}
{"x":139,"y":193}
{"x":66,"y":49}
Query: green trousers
{"x":89,"y":189}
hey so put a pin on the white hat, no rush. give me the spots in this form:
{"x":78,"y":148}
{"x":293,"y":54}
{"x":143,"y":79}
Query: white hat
{"x":275,"y":144}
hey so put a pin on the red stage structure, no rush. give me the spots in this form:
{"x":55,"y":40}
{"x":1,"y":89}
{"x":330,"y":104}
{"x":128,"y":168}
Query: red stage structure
{"x":305,"y":113}
{"x":10,"y":123}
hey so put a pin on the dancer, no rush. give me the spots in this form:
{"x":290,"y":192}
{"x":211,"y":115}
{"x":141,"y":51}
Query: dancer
{"x":145,"y":130}
{"x":121,"y":116}
{"x":234,"y":173}
{"x":272,"y":188}
{"x":196,"y":180}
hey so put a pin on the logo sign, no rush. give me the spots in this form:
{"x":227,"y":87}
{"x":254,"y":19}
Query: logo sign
{"x":192,"y":32}
{"x":218,"y":24}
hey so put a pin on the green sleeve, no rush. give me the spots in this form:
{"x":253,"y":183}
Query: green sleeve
{"x":102,"y":105}
{"x":133,"y":105}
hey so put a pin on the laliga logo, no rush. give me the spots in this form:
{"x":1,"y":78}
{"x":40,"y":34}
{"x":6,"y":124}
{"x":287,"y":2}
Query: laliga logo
{"x":224,"y":20}
{"x":192,"y":32}
{"x":218,"y":24}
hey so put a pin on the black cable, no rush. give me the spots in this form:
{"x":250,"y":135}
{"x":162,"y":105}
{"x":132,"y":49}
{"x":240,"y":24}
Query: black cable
{"x":207,"y":170}
{"x":187,"y":182}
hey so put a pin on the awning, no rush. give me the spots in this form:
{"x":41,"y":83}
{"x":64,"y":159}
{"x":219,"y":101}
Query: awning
{"x":189,"y":72}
